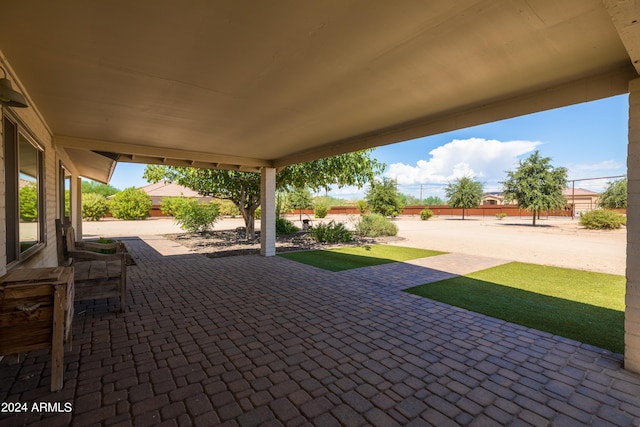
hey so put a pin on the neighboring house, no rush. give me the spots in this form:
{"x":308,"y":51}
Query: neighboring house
{"x":494,"y":198}
{"x":583,"y":200}
{"x":162,"y":189}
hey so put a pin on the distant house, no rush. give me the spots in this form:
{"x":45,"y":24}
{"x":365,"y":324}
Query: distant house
{"x":583,"y":200}
{"x":162,"y":189}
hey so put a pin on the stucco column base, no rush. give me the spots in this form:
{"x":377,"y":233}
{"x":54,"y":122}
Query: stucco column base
{"x":268,"y":214}
{"x":632,"y":300}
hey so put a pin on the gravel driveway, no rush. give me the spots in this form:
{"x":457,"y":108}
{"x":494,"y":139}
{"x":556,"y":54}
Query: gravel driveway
{"x":560,"y":242}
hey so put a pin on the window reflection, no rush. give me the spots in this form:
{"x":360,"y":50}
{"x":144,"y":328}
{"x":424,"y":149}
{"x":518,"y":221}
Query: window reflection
{"x":28,"y":194}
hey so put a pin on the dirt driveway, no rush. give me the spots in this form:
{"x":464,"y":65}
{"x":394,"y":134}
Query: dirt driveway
{"x":559,"y":242}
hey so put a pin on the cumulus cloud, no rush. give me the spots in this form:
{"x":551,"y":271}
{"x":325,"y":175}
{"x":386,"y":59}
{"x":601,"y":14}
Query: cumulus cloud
{"x":482,"y":159}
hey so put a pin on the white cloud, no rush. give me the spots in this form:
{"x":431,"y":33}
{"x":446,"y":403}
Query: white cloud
{"x":485,"y":160}
{"x":604,"y":168}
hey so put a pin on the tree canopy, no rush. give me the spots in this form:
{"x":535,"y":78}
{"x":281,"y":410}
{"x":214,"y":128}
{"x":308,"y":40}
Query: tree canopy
{"x":464,"y":193}
{"x":243,"y":188}
{"x":96,"y":187}
{"x":615,"y":195}
{"x":536,"y":185}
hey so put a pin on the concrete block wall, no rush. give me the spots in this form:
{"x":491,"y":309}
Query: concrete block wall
{"x":632,"y":311}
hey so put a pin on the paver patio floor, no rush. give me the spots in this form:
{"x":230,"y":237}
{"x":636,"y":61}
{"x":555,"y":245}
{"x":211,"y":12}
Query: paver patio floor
{"x":254,"y":341}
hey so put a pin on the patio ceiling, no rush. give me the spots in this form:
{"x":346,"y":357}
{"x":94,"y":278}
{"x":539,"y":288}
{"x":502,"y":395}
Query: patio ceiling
{"x":246,"y":84}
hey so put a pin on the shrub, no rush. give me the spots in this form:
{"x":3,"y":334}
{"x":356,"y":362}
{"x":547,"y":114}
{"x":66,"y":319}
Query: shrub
{"x":501,"y":215}
{"x":362,"y":206}
{"x":284,"y":226}
{"x":228,"y":208}
{"x":332,"y":232}
{"x":258,"y":213}
{"x":375,"y":225}
{"x":131,"y":203}
{"x":169,"y":205}
{"x":94,"y":206}
{"x":321,"y":209}
{"x":196,"y":217}
{"x":425,"y":214}
{"x":602,"y":219}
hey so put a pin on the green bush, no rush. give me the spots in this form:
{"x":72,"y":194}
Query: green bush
{"x":196,"y":217}
{"x":333,"y":232}
{"x":131,"y":203}
{"x":29,"y":203}
{"x":258,"y":213}
{"x":94,"y":206}
{"x":228,"y":208}
{"x":362,"y":206}
{"x":602,"y":219}
{"x":501,"y":215}
{"x":169,"y":205}
{"x":375,"y":225}
{"x":320,"y":209}
{"x":284,"y":226}
{"x":425,"y":214}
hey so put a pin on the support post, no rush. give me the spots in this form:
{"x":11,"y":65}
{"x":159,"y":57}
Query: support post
{"x":268,"y":212}
{"x":632,"y":299}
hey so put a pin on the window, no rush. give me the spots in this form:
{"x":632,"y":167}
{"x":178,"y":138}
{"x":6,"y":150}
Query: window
{"x":65,"y":193}
{"x":23,"y":192}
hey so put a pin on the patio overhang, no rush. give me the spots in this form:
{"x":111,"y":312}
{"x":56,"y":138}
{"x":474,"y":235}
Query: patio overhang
{"x":241,"y":85}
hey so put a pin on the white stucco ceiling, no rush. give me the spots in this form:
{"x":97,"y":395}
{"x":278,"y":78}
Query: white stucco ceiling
{"x":245,"y":84}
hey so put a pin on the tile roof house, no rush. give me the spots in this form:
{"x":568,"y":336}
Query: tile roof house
{"x":162,"y":189}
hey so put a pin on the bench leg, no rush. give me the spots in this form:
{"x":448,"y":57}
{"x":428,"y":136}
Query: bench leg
{"x":57,"y":341}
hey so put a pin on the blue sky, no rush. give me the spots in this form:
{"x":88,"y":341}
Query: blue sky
{"x":589,"y":139}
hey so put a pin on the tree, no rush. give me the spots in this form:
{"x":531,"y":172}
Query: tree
{"x":243,"y":188}
{"x":536,"y":185}
{"x":383,"y":198}
{"x":615,"y":195}
{"x":408,"y":199}
{"x":98,"y":188}
{"x":29,"y":202}
{"x":433,"y":201}
{"x":299,"y":198}
{"x":464,"y":193}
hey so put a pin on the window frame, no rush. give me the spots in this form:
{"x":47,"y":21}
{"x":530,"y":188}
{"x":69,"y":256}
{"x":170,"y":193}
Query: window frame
{"x":13,"y":132}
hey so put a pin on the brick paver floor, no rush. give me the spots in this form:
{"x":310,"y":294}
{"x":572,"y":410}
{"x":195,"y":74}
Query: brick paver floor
{"x":252,"y":341}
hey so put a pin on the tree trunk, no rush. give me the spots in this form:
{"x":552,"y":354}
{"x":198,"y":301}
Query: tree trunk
{"x":463,"y":213}
{"x":534,"y":217}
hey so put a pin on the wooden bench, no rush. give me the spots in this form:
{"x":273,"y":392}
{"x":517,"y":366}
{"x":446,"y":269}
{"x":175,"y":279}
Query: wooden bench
{"x":96,"y":275}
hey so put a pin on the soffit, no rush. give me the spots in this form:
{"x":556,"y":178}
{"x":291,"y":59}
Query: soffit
{"x":245,"y":84}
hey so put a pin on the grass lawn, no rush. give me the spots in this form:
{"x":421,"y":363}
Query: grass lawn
{"x":581,"y":305}
{"x":357,"y":256}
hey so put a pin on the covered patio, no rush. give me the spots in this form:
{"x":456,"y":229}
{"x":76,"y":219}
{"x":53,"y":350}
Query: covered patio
{"x":259,"y":86}
{"x":256,"y":340}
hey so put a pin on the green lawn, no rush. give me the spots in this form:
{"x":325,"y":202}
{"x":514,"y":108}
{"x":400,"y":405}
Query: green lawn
{"x":581,"y":305}
{"x":357,"y":256}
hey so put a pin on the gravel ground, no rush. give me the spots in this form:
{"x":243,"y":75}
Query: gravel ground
{"x":559,"y":242}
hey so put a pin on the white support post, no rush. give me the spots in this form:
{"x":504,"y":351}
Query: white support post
{"x":632,"y":309}
{"x":268,"y":212}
